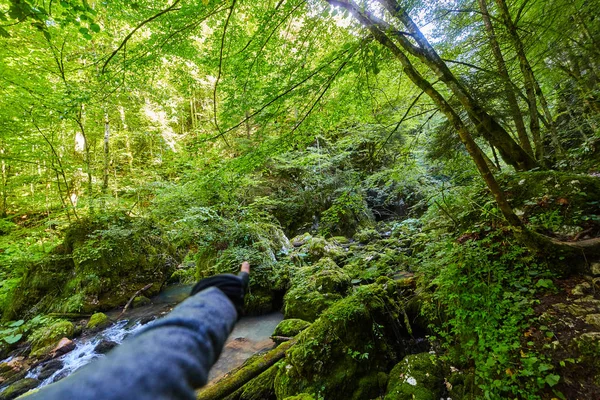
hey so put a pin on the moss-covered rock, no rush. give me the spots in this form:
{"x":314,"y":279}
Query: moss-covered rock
{"x":45,"y":338}
{"x":18,"y":388}
{"x":372,"y":386}
{"x":140,"y":301}
{"x":314,"y":289}
{"x":183,"y":276}
{"x":290,"y":327}
{"x":98,"y":321}
{"x":357,"y":336}
{"x":99,"y":265}
{"x":417,"y":376}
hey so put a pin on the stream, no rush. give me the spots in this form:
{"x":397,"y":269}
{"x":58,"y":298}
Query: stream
{"x":250,"y":336}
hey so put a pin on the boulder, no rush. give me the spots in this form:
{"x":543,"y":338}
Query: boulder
{"x":314,"y":289}
{"x":104,"y":346}
{"x":49,"y":368}
{"x":417,"y":376}
{"x":98,"y":321}
{"x":357,"y":336}
{"x":64,"y":346}
{"x":18,"y":388}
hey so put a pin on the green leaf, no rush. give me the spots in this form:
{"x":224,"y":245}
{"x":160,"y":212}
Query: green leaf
{"x":95,"y":27}
{"x":552,"y":379}
{"x":16,"y":323}
{"x":84,"y":31}
{"x":13,"y":338}
{"x":4,"y":32}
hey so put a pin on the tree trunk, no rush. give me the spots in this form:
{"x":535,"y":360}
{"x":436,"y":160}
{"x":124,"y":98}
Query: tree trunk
{"x":509,"y":92}
{"x":485,"y":124}
{"x":3,"y":212}
{"x":528,"y":78}
{"x":106,"y":153}
{"x":472,"y":148}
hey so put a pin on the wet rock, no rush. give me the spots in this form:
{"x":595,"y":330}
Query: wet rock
{"x":64,"y":346}
{"x":49,"y":369}
{"x":18,"y":388}
{"x":105,"y":346}
{"x":98,"y":321}
{"x":595,"y":268}
{"x":417,"y":376}
{"x":147,"y":319}
{"x":60,"y":375}
{"x":140,"y":301}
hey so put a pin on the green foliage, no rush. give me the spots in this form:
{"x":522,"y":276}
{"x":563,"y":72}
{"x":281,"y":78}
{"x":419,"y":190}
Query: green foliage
{"x":485,"y":289}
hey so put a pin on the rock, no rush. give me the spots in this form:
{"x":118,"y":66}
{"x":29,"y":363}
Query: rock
{"x":581,"y":289}
{"x":140,"y":301}
{"x":417,"y":376}
{"x":588,"y":345}
{"x":371,"y":386}
{"x":357,"y":336}
{"x":290,"y":327}
{"x":45,"y":339}
{"x":49,"y":368}
{"x":595,"y":268}
{"x":105,"y":346}
{"x":301,"y":396}
{"x":18,"y":388}
{"x":573,"y":309}
{"x":64,"y":346}
{"x":146,"y":319}
{"x":98,"y":321}
{"x":314,"y":289}
{"x":593,"y":319}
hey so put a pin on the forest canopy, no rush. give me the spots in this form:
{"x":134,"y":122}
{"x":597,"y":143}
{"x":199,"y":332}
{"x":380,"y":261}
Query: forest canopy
{"x":145,"y":142}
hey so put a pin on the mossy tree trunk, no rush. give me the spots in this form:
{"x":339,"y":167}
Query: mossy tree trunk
{"x":486,"y":125}
{"x":509,"y":90}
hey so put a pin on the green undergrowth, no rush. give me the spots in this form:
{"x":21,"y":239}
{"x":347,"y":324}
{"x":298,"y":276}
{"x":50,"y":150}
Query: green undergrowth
{"x":479,"y":297}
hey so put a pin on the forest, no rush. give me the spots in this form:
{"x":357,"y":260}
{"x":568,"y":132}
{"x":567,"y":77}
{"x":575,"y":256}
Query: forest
{"x":416,"y":185}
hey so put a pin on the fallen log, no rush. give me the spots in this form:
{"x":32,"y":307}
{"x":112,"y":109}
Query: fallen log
{"x":239,"y":377}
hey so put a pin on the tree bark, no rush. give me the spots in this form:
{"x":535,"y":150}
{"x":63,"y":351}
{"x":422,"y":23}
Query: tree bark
{"x":106,"y":153}
{"x":485,"y":124}
{"x":528,"y":78}
{"x":472,"y":148}
{"x":509,"y":92}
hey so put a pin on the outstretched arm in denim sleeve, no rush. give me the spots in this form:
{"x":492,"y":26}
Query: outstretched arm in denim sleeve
{"x":168,"y":359}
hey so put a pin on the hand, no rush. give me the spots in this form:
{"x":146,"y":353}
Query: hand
{"x":234,"y":287}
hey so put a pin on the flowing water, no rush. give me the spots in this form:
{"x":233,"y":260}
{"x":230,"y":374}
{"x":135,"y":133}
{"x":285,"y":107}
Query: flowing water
{"x":250,"y":336}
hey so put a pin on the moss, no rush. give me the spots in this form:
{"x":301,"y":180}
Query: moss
{"x":366,"y":235}
{"x":18,"y":388}
{"x":290,"y":327}
{"x":140,"y":301}
{"x":45,"y":338}
{"x":314,"y":289}
{"x":357,"y":336}
{"x":183,"y":276}
{"x":301,"y":396}
{"x":417,"y":376}
{"x":99,"y":265}
{"x":261,"y":387}
{"x":98,"y":321}
{"x":372,"y":386}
